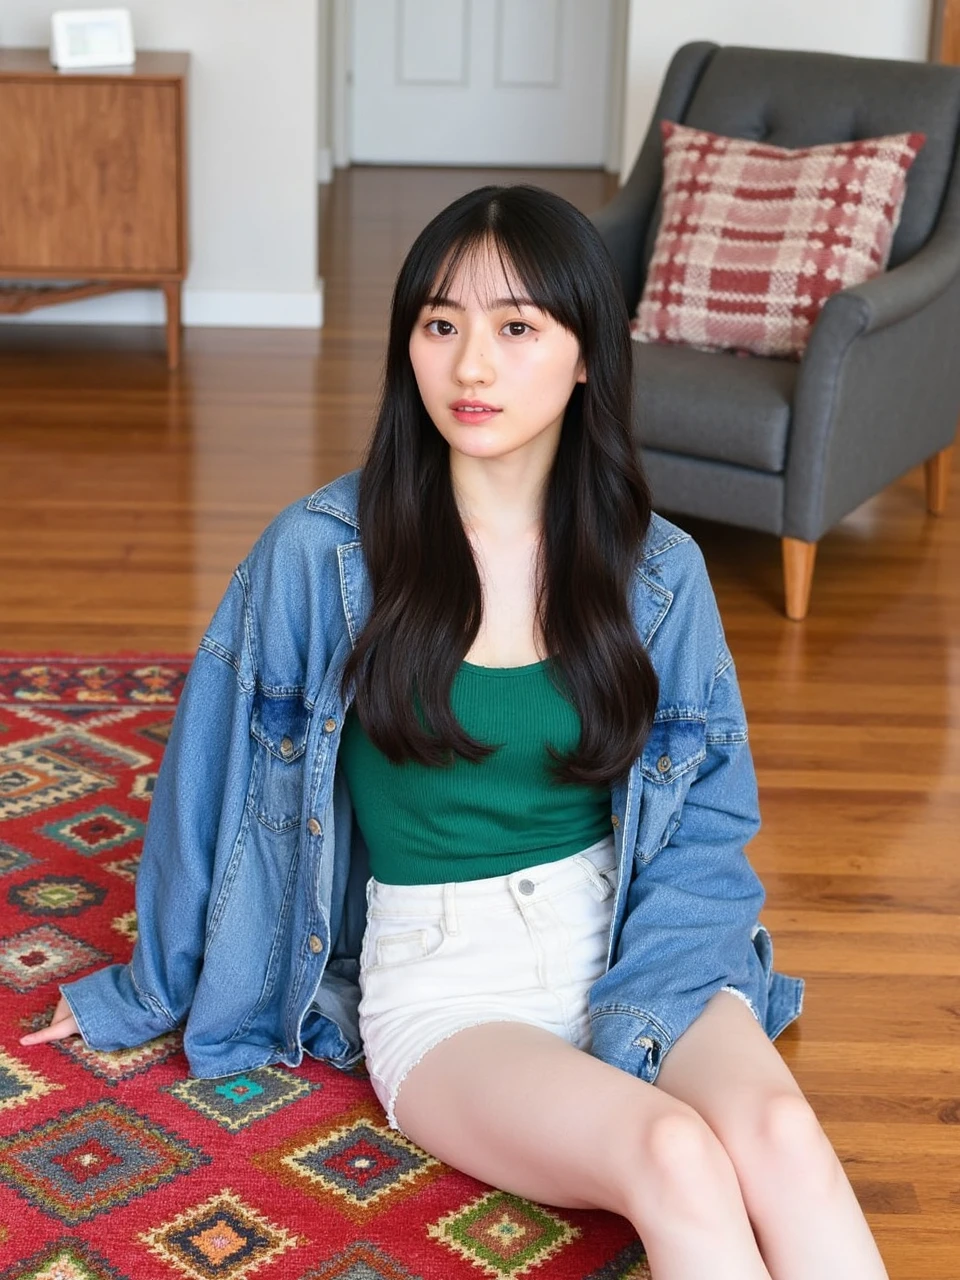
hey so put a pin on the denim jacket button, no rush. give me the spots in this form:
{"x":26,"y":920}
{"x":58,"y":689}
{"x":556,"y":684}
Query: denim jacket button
{"x":286,"y":747}
{"x":614,"y":820}
{"x":314,"y":827}
{"x":664,"y":764}
{"x":329,"y":725}
{"x":316,"y":944}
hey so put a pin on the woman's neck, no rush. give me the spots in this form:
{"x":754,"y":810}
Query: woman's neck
{"x":500,"y":500}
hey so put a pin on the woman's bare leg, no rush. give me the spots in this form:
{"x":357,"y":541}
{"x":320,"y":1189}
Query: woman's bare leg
{"x":521,"y":1109}
{"x":803,"y":1209}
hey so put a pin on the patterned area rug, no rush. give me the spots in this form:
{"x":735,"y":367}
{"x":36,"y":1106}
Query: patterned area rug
{"x":119,"y":1165}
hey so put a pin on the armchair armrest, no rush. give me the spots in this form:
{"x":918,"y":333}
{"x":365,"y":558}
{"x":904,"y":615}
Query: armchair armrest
{"x":878,"y":390}
{"x":889,"y":297}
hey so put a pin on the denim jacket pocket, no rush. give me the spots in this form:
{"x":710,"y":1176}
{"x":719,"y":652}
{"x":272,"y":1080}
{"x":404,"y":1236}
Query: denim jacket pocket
{"x":280,"y":724}
{"x":675,"y":747}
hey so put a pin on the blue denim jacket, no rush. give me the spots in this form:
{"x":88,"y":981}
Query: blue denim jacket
{"x":251,"y":893}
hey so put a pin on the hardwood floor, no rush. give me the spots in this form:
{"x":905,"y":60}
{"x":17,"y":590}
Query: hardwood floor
{"x":127,"y":496}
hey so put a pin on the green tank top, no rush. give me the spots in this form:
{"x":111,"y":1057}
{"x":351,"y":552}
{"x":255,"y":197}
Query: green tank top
{"x":430,"y":824}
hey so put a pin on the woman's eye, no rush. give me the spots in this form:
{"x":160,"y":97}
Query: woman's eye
{"x":442,"y":328}
{"x":517,"y":328}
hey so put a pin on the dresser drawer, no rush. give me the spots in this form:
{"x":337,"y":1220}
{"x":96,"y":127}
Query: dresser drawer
{"x":89,"y":177}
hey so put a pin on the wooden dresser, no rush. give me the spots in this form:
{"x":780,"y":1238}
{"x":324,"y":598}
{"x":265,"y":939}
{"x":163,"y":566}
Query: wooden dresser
{"x":93,"y":181}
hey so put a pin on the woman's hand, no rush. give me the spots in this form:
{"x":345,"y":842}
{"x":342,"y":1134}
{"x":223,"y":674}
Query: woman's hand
{"x":62,"y":1025}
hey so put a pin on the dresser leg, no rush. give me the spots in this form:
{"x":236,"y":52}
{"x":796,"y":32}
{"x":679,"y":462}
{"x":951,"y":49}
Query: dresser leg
{"x":171,"y":291}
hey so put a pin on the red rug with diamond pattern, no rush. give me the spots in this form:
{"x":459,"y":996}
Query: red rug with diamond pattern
{"x":119,"y":1165}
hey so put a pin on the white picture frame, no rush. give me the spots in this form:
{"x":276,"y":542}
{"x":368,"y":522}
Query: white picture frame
{"x":91,"y":38}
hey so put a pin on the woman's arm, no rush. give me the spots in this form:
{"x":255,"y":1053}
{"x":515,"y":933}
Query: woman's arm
{"x":691,"y":913}
{"x":197,"y":804}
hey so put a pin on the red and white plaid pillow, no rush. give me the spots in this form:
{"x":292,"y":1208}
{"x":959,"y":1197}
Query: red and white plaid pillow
{"x":754,"y":239}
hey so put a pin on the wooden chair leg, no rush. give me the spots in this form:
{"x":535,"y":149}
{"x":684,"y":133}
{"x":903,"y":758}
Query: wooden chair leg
{"x":937,"y":473}
{"x":798,"y":562}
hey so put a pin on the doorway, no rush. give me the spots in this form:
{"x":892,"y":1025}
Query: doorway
{"x":477,"y":82}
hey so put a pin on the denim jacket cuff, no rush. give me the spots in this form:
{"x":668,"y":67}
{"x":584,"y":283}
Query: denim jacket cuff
{"x":631,"y":1040}
{"x":109,"y":1011}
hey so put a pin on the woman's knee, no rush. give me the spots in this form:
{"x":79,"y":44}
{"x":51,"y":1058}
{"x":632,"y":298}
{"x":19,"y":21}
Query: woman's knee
{"x":784,"y":1149}
{"x":682,"y":1172}
{"x":778,"y":1150}
{"x":786,"y":1119}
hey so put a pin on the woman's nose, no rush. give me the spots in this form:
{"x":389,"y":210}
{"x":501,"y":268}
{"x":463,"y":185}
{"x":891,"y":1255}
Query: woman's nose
{"x":473,"y":365}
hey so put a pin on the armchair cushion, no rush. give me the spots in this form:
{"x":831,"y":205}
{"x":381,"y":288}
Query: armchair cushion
{"x":754,"y":238}
{"x":716,"y":405}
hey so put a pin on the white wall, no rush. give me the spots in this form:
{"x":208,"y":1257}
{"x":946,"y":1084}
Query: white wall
{"x":870,"y":28}
{"x":252,"y":146}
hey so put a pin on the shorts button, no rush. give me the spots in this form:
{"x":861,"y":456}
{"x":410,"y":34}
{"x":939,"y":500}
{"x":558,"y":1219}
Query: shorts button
{"x":316,"y":944}
{"x":664,"y":764}
{"x":526,"y":886}
{"x":314,"y":827}
{"x":286,"y":746}
{"x":329,"y":725}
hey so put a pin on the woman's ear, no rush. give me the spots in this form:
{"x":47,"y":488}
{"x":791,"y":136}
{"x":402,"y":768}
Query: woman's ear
{"x":582,"y":374}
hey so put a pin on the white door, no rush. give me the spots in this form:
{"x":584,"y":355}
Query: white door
{"x":480,"y":82}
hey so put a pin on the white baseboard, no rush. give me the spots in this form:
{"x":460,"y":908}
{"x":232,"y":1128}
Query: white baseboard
{"x":324,"y":165}
{"x":210,"y":308}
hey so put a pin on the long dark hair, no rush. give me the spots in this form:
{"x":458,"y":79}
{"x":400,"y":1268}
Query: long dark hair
{"x":427,"y":599}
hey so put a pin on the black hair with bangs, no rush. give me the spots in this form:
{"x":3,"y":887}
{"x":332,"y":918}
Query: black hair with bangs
{"x":427,"y":598}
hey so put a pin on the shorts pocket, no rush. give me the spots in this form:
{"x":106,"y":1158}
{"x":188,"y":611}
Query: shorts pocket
{"x":602,"y":880}
{"x":391,"y":944}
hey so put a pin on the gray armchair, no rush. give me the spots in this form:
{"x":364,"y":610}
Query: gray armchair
{"x":791,"y":447}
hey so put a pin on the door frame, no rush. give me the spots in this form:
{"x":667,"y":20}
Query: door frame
{"x":945,"y":31}
{"x":340,"y":71}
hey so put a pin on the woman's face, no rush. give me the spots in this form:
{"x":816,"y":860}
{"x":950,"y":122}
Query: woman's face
{"x":494,"y":377}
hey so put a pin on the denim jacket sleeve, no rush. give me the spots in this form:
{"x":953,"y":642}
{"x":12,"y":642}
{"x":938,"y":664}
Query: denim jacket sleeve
{"x":691,"y":913}
{"x":197,"y":804}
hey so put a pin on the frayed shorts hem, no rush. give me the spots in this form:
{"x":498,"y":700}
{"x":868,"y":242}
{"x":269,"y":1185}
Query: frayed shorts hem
{"x":387,"y":1094}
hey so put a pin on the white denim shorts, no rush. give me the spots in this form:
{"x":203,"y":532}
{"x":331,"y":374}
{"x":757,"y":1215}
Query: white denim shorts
{"x":524,"y":947}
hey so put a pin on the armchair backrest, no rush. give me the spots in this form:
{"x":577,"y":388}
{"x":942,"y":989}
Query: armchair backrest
{"x":800,"y":99}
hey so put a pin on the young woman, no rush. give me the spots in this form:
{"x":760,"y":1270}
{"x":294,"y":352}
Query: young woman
{"x":459,"y":782}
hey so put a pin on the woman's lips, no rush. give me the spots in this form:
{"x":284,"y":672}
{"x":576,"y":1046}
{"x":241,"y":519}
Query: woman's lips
{"x":464,"y":411}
